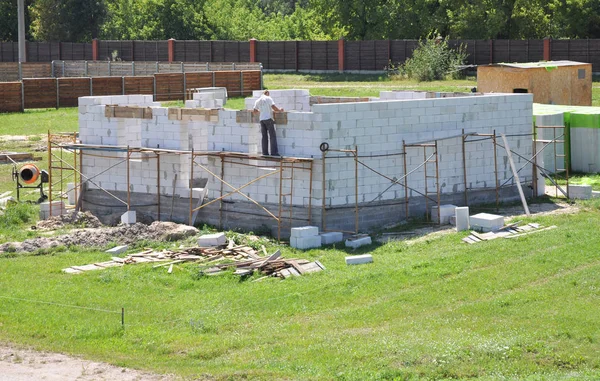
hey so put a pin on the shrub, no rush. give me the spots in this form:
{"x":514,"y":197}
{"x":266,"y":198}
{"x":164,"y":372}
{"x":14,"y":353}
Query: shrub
{"x":433,"y":60}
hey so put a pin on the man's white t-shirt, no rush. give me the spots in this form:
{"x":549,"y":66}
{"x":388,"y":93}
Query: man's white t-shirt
{"x":263,"y":104}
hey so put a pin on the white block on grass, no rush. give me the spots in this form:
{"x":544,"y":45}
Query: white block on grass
{"x":332,"y":237}
{"x":128,"y":217}
{"x":304,"y":243}
{"x":582,"y":192}
{"x":358,"y":242}
{"x":118,"y":249}
{"x":486,"y":222}
{"x":462,"y":218}
{"x":208,"y":240}
{"x":595,"y":194}
{"x":359,"y":259}
{"x":305,"y":231}
{"x":446,"y":211}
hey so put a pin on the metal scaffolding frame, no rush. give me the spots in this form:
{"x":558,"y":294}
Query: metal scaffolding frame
{"x":556,"y":139}
{"x":283,"y":217}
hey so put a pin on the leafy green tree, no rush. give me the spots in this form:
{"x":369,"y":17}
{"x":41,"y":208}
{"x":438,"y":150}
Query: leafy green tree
{"x":9,"y":21}
{"x":66,"y":20}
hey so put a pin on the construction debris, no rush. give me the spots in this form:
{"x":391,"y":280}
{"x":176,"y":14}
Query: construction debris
{"x":213,"y":261}
{"x":508,"y":231}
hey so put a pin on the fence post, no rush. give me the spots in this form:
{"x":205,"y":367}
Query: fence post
{"x":491,"y":52}
{"x":20,"y":71}
{"x":22,"y":96}
{"x":253,"y":50}
{"x":341,"y":54}
{"x":171,"y":49}
{"x":95,"y":49}
{"x":547,"y":49}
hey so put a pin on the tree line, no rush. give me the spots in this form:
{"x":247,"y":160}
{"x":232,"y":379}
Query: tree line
{"x":83,"y":20}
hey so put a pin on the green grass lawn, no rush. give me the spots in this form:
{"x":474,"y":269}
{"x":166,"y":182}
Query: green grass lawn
{"x":524,"y":308}
{"x":518,"y":309}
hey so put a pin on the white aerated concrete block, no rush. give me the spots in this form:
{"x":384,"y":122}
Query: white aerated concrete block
{"x":358,"y":242}
{"x":332,"y":237}
{"x":486,"y":222}
{"x":462,"y":218}
{"x":446,"y":211}
{"x":71,"y":193}
{"x":595,"y":194}
{"x":305,"y":231}
{"x":128,"y":217}
{"x":359,"y":259}
{"x":118,"y":249}
{"x":216,"y":239}
{"x":304,"y":243}
{"x":582,"y":192}
{"x":58,"y":208}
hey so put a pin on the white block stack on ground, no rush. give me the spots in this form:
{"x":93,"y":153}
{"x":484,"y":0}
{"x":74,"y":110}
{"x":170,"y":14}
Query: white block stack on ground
{"x":331,"y":238}
{"x":462,"y":218}
{"x":305,"y":237}
{"x":581,"y":192}
{"x":129,"y":217}
{"x":446,"y":211}
{"x":58,"y":209}
{"x":486,"y":222}
{"x":210,"y":240}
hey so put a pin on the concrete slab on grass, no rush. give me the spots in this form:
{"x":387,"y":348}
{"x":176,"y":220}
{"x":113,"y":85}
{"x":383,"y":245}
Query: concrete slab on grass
{"x":332,"y":237}
{"x":208,"y":240}
{"x":118,"y":249}
{"x":359,"y":259}
{"x":358,"y":241}
{"x":486,"y":222}
{"x":304,"y":243}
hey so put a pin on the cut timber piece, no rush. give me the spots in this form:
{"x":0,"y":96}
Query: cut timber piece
{"x":446,"y":211}
{"x":486,"y":222}
{"x":216,"y":239}
{"x":531,"y":232}
{"x":358,"y":241}
{"x":118,"y":249}
{"x":304,"y":231}
{"x":582,"y":192}
{"x":515,"y":174}
{"x":359,"y":259}
{"x":332,"y":237}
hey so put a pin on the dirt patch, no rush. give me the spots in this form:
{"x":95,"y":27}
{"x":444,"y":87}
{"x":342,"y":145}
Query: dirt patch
{"x":100,"y":237}
{"x":82,"y":219}
{"x":24,"y":364}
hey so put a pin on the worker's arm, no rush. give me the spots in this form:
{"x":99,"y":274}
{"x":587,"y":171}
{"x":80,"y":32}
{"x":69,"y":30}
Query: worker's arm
{"x":276,"y":108}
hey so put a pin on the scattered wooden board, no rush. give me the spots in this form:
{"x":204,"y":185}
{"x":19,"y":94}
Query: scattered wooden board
{"x":508,"y":231}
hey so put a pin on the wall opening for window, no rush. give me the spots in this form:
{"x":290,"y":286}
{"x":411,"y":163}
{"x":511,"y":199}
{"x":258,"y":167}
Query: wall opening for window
{"x":520,"y":91}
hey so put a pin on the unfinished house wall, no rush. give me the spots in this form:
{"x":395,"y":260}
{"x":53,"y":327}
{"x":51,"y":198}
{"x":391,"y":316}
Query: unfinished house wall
{"x":377,"y":129}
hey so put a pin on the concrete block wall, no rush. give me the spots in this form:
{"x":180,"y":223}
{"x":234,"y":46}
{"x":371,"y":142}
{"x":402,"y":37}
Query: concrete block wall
{"x":377,"y":128}
{"x":294,"y":99}
{"x":547,"y":156}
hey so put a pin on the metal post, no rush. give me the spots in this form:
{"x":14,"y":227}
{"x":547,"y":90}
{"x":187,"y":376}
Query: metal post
{"x":49,"y":174}
{"x":405,"y":179}
{"x":496,"y":172}
{"x":437,"y":183}
{"x":324,"y":210}
{"x":80,"y":201}
{"x":221,"y":200}
{"x":75,"y":172}
{"x":191,"y":192}
{"x":128,"y":187}
{"x":158,"y":183}
{"x":21,"y":30}
{"x":356,"y":188}
{"x":310,"y":189}
{"x":464,"y":155}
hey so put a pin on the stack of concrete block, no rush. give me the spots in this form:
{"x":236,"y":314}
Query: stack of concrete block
{"x":210,"y":240}
{"x":446,"y":212}
{"x":58,"y":209}
{"x":486,"y":222}
{"x":331,"y":238}
{"x":581,"y":192}
{"x":305,"y":237}
{"x":298,"y":100}
{"x":212,"y":97}
{"x":129,"y":217}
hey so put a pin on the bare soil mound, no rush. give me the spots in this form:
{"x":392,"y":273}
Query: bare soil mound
{"x":82,"y":219}
{"x":100,"y":237}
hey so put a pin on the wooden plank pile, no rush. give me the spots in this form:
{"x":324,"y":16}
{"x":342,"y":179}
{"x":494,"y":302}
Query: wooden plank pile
{"x":213,"y":261}
{"x":508,"y":231}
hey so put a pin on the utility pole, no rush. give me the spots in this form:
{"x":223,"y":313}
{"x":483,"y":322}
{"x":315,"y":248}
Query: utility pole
{"x":21,"y":32}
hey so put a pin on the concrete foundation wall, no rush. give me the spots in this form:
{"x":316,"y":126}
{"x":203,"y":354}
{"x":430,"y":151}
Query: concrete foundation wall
{"x":377,"y":128}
